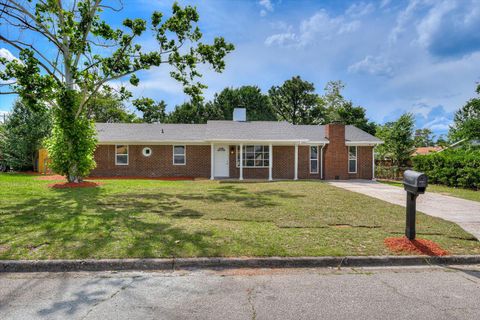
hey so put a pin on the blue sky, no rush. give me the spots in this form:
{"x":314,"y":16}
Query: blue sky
{"x":421,"y":56}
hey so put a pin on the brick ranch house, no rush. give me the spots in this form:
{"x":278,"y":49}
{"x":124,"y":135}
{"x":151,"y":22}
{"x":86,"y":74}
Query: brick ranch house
{"x":269,"y":149}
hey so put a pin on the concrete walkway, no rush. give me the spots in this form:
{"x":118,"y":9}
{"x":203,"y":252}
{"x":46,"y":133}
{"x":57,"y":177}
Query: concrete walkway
{"x":465,"y":213}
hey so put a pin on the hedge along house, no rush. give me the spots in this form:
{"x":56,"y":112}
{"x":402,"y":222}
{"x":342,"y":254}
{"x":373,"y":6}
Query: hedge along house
{"x":269,"y":150}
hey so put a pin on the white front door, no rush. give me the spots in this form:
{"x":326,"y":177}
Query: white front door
{"x":221,"y":161}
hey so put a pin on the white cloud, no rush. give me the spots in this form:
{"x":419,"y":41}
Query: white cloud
{"x":267,"y":7}
{"x":432,"y":21}
{"x":384,"y":3}
{"x":5,"y":53}
{"x":359,"y":9}
{"x":403,"y":19}
{"x":320,"y":26}
{"x":450,"y":28}
{"x":281,"y":39}
{"x":378,"y":66}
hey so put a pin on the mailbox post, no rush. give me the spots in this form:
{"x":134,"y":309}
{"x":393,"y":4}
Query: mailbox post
{"x":414,"y":183}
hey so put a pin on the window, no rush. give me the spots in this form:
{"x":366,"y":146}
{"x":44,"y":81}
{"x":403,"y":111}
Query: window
{"x":147,"y":152}
{"x":178,"y":155}
{"x":314,"y":159}
{"x":352,"y":159}
{"x":254,"y":156}
{"x":121,"y":155}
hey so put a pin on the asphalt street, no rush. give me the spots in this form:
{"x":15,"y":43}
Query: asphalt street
{"x":368,"y":293}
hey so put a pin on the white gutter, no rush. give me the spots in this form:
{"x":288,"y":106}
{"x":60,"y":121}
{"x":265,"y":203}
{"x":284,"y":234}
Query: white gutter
{"x":363,"y":143}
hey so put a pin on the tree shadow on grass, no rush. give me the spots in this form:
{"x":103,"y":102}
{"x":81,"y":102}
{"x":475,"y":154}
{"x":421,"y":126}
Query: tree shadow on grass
{"x":83,"y":222}
{"x":233,"y":193}
{"x":93,"y":223}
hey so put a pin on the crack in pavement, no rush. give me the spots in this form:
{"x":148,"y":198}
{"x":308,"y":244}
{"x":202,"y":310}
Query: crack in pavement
{"x":122,"y":288}
{"x":444,"y":309}
{"x":250,"y":302}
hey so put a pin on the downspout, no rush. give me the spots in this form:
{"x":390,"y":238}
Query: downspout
{"x":321,"y":160}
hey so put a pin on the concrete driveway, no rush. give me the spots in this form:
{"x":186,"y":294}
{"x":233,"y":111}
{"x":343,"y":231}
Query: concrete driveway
{"x":465,"y":213}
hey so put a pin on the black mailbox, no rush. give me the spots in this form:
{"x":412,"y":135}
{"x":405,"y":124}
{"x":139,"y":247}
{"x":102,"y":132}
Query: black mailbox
{"x":414,"y":183}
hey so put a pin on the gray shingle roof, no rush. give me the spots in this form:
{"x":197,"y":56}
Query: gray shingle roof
{"x":222,"y":131}
{"x":149,"y":132}
{"x":314,"y":133}
{"x":254,"y":130}
{"x":354,"y":134}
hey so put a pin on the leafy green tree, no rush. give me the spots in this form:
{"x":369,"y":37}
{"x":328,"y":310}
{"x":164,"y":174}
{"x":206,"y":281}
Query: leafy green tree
{"x":23,"y":134}
{"x":257,"y":104}
{"x":195,"y":112}
{"x":466,"y":122}
{"x":108,"y":107}
{"x":68,"y":55}
{"x":441,"y":141}
{"x":423,"y":138}
{"x":152,"y":111}
{"x":3,"y":165}
{"x":295,"y":101}
{"x":337,"y":108}
{"x":398,"y":140}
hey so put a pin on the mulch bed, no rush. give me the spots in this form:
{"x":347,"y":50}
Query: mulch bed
{"x":141,"y":178}
{"x":417,"y":246}
{"x":56,"y":177}
{"x":52,"y":177}
{"x":66,"y":185}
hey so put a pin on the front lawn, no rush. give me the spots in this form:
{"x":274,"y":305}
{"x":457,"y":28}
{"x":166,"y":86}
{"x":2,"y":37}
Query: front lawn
{"x":140,"y":218}
{"x":449,"y":191}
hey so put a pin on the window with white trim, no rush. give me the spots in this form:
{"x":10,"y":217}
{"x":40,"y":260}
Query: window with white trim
{"x":179,"y":155}
{"x":352,"y":159}
{"x":254,"y":156}
{"x":121,"y":155}
{"x":313,"y":159}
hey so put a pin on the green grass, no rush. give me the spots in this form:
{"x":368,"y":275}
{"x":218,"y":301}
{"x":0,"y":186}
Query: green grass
{"x":449,"y":191}
{"x":138,"y":218}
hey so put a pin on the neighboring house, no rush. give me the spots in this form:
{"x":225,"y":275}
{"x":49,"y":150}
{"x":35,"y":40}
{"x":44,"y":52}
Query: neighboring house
{"x":426,"y":150}
{"x":269,"y":149}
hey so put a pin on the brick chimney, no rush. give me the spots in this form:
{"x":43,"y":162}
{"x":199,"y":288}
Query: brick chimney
{"x":335,"y":153}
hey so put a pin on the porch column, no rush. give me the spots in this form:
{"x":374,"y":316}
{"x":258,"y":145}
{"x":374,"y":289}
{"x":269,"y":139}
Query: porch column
{"x":295,"y":175}
{"x":373,"y":163}
{"x":270,"y":161}
{"x":212,"y":161}
{"x":241,"y":162}
{"x":321,"y":162}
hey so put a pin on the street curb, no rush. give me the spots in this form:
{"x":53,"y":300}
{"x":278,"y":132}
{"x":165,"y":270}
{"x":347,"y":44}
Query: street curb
{"x":172,"y":264}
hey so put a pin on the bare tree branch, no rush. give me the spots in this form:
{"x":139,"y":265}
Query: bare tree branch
{"x":46,"y":31}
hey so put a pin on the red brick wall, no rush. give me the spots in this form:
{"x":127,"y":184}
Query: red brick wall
{"x":364,"y":164}
{"x":159,"y":164}
{"x":304,"y":163}
{"x":335,"y":153}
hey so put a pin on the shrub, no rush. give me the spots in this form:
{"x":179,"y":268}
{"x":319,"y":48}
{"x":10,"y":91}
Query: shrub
{"x":389,"y":172}
{"x":454,"y":167}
